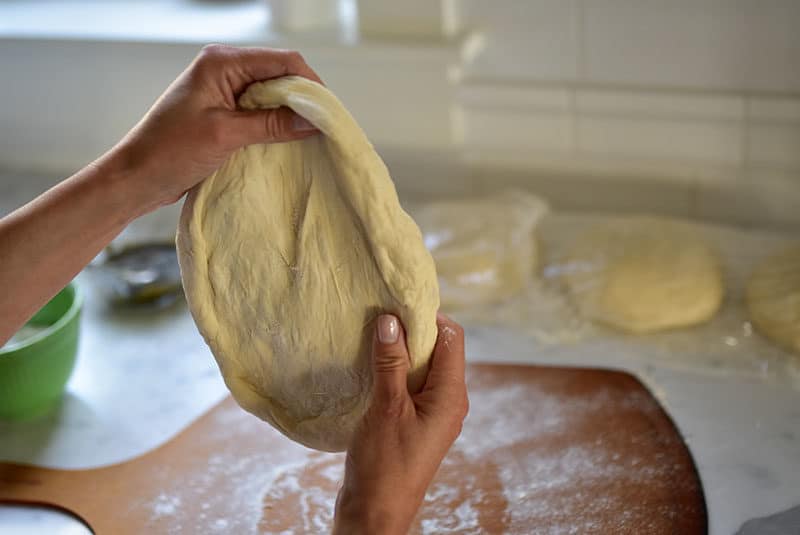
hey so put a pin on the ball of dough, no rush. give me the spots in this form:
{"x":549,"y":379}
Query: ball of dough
{"x":773,"y":298}
{"x":643,"y":274}
{"x":288,"y":253}
{"x":485,"y":249}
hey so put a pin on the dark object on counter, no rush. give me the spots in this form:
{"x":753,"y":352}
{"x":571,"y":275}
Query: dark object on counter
{"x":542,"y":450}
{"x":141,"y":274}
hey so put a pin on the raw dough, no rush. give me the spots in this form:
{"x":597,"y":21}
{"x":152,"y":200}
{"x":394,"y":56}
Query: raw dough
{"x":288,"y":253}
{"x":773,"y":298}
{"x":485,"y":249}
{"x":642,"y":274}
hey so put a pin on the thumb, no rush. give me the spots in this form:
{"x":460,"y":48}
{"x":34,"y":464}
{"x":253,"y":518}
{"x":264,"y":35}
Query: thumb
{"x":270,"y":126}
{"x":390,"y":362}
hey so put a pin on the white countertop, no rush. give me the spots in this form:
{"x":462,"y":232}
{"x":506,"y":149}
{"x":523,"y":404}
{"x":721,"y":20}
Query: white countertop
{"x":142,"y":377}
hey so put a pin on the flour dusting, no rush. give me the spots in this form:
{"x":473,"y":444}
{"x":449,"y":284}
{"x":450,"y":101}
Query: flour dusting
{"x":539,"y":453}
{"x":165,"y":505}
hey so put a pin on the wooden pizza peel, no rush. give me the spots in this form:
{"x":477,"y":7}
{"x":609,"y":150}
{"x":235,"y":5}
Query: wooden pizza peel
{"x":543,"y":450}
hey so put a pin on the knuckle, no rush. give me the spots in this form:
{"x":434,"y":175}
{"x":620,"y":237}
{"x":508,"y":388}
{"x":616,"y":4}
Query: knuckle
{"x":213,"y":50}
{"x":452,"y":328}
{"x":391,"y":405}
{"x":294,"y":56}
{"x":451,"y":336}
{"x":464,"y":406}
{"x":459,"y":330}
{"x":210,"y":56}
{"x":273,"y":127}
{"x":390,"y":363}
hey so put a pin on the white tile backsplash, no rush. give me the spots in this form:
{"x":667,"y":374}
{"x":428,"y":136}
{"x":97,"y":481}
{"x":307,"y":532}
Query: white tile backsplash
{"x":507,"y":97}
{"x":538,"y":132}
{"x":728,"y":156}
{"x":84,"y":105}
{"x":584,"y":192}
{"x":726,"y":45}
{"x":663,"y":92}
{"x":93,"y":92}
{"x":763,"y":197}
{"x":414,"y":18}
{"x":659,"y":103}
{"x":708,"y":44}
{"x":526,"y":40}
{"x":778,"y":109}
{"x":774,"y":144}
{"x":717,"y":142}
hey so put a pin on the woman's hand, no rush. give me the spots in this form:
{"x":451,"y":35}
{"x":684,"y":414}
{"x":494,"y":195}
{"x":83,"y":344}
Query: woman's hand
{"x":402,"y":438}
{"x":189,"y":132}
{"x":195,"y":125}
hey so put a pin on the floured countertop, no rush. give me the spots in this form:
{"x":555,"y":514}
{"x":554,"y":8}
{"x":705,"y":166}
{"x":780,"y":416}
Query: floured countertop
{"x":726,"y":346}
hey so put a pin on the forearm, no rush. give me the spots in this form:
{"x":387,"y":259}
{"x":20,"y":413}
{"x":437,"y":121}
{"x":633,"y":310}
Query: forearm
{"x":45,"y":243}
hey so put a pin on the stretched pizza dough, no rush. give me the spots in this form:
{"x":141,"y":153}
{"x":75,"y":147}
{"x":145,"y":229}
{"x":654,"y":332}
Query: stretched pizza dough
{"x":485,"y":249}
{"x":773,"y":298}
{"x":288,"y":253}
{"x":643,"y":274}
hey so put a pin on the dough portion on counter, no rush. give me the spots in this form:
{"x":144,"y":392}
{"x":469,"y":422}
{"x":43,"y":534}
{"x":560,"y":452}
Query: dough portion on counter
{"x":485,"y":249}
{"x":773,"y":298}
{"x":288,"y":253}
{"x":642,"y":274}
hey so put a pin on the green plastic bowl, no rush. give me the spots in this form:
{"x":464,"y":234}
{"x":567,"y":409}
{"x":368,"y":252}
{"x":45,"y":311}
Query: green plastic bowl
{"x":34,"y":371}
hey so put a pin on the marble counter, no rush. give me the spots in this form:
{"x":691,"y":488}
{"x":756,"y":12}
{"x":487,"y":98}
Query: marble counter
{"x":142,"y":376}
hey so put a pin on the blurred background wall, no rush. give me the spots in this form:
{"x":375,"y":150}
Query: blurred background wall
{"x":680,"y":106}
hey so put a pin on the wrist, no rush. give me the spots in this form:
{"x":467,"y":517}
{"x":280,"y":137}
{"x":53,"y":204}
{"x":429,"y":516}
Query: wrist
{"x":124,"y":180}
{"x":355,"y":515}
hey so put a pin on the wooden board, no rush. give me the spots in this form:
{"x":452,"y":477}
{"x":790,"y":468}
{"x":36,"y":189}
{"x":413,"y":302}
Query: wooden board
{"x":543,"y":450}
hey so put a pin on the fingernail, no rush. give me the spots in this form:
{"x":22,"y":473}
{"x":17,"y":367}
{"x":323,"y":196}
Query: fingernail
{"x":388,"y":329}
{"x":300,"y":124}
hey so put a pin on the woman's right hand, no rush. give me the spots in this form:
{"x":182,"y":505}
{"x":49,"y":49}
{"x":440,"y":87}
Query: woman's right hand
{"x":403,"y":438}
{"x":196,"y":125}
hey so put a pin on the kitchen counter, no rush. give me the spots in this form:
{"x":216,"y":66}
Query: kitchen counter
{"x":142,"y":376}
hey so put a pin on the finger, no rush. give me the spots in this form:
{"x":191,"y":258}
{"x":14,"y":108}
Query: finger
{"x":265,"y":63}
{"x":268,"y":126}
{"x":390,"y":362}
{"x":447,"y":362}
{"x":239,"y":67}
